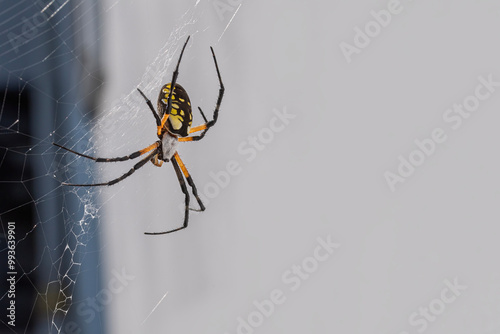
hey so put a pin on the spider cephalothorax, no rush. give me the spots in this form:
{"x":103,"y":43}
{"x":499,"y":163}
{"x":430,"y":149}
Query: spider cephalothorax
{"x":173,"y":121}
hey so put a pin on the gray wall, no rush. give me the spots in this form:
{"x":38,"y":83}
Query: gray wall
{"x":322,"y":173}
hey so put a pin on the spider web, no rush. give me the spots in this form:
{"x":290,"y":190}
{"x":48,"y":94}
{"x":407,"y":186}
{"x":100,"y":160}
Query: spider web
{"x":52,"y":82}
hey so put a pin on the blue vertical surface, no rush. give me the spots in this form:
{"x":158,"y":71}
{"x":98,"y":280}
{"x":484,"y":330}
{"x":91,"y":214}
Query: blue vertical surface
{"x":49,"y":74}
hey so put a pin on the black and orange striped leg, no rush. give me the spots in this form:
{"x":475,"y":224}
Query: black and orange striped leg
{"x":208,"y":124}
{"x":194,"y":138}
{"x":174,"y":80}
{"x":125,"y":158}
{"x":190,"y":181}
{"x":203,"y":127}
{"x":182,"y":183}
{"x":150,"y":105}
{"x":121,"y":178}
{"x":160,"y":122}
{"x":169,"y":97}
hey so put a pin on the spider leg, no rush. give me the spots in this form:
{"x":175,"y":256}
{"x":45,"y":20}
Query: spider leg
{"x":202,"y":115}
{"x":160,"y":127}
{"x":208,"y":125}
{"x":121,"y":178}
{"x":190,"y":182}
{"x":194,"y":138}
{"x":221,"y":90}
{"x":172,"y":86}
{"x":159,"y":121}
{"x":178,"y":172}
{"x":125,"y":158}
{"x":150,"y":105}
{"x":196,"y":129}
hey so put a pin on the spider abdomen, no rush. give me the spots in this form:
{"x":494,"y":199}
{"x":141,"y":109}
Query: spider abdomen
{"x":181,"y":115}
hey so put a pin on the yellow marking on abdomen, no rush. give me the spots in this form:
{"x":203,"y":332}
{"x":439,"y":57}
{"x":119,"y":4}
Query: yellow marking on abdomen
{"x":176,"y":122}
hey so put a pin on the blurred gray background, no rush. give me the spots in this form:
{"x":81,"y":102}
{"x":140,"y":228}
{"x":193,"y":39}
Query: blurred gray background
{"x":323,"y":174}
{"x":412,"y":211}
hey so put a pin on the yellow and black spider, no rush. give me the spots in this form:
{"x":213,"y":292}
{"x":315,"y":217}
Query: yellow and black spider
{"x":173,"y":120}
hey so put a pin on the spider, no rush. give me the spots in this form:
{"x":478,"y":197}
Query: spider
{"x":173,"y":121}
